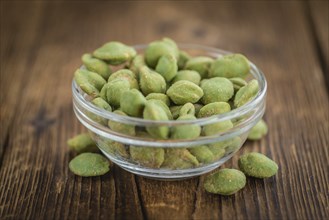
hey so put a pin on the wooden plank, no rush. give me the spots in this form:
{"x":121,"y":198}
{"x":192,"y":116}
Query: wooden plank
{"x":319,"y":20}
{"x":18,"y":56}
{"x":35,"y":181}
{"x":320,"y":16}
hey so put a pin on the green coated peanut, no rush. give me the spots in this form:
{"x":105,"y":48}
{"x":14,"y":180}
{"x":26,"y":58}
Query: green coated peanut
{"x":152,"y":157}
{"x":234,"y":145}
{"x":125,"y":74}
{"x":175,"y":110}
{"x":225,"y":182}
{"x":164,"y":107}
{"x":96,"y":65}
{"x":179,"y":158}
{"x":238,"y":83}
{"x":229,"y":66}
{"x":157,"y":49}
{"x":186,"y":131}
{"x":159,"y":96}
{"x":153,"y":111}
{"x":113,"y":148}
{"x":115,"y":53}
{"x":189,"y":75}
{"x":246,"y":93}
{"x":112,"y":91}
{"x":121,"y":127}
{"x":132,"y":102}
{"x":187,"y":109}
{"x":202,"y":154}
{"x":184,"y":91}
{"x":90,"y":82}
{"x":100,"y":103}
{"x":257,"y":165}
{"x":167,"y":67}
{"x":200,"y":64}
{"x":151,"y":81}
{"x":217,"y":89}
{"x":135,"y":65}
{"x":82,"y":143}
{"x":258,"y":131}
{"x":216,"y":128}
{"x":89,"y":164}
{"x":182,"y":59}
{"x":214,"y":108}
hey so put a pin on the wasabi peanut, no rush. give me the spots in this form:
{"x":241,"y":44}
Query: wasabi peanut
{"x":179,"y":159}
{"x":246,"y":93}
{"x":82,"y":143}
{"x":115,"y":53}
{"x":217,"y":89}
{"x":113,"y":148}
{"x":151,"y":81}
{"x":199,"y":64}
{"x":125,"y":75}
{"x":163,"y":106}
{"x":167,"y":67}
{"x":157,"y":49}
{"x":238,"y":83}
{"x":112,"y":91}
{"x":90,"y":82}
{"x":159,"y":96}
{"x":96,"y":65}
{"x":147,"y":156}
{"x":89,"y":164}
{"x":257,"y":165}
{"x":202,"y":154}
{"x":153,"y":111}
{"x":136,"y":64}
{"x":189,"y":75}
{"x":121,"y":127}
{"x":229,"y":66}
{"x":100,"y":103}
{"x":258,"y":131}
{"x":182,"y":59}
{"x":184,"y":91}
{"x":132,"y":102}
{"x":225,"y":182}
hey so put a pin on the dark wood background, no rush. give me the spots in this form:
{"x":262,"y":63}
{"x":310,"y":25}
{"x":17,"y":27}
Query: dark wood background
{"x":41,"y":45}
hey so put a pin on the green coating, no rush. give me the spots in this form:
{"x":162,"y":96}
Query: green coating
{"x":258,"y":131}
{"x":132,"y":103}
{"x":257,"y":165}
{"x":229,"y":66}
{"x":184,"y":91}
{"x":246,"y":93}
{"x":96,"y":65}
{"x":89,"y":164}
{"x":225,"y":182}
{"x":115,"y":53}
{"x":82,"y":143}
{"x":217,"y":89}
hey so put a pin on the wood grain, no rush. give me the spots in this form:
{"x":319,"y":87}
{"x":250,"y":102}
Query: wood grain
{"x":319,"y":17}
{"x":41,"y":45}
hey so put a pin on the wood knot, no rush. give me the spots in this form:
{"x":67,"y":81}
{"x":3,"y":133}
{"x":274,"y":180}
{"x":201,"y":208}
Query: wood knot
{"x":41,"y":121}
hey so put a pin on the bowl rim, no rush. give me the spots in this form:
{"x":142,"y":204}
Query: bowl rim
{"x":255,"y":71}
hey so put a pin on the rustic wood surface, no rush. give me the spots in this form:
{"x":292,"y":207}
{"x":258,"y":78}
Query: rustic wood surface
{"x":41,"y":45}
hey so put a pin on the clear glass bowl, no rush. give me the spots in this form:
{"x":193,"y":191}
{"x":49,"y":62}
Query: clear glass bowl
{"x":170,"y":159}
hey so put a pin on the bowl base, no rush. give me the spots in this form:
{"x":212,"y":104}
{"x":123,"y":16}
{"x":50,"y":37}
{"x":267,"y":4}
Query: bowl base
{"x":165,"y":174}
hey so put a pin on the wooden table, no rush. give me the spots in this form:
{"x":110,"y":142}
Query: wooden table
{"x":41,"y":45}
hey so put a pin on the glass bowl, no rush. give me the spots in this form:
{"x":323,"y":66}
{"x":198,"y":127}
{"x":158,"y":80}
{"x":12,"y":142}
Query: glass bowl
{"x":170,"y":159}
